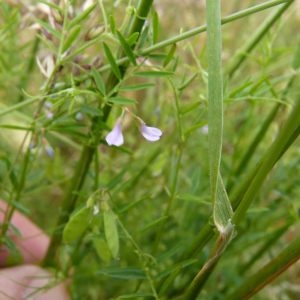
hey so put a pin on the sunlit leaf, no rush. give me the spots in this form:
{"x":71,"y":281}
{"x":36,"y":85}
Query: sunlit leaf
{"x":126,"y":47}
{"x":75,"y":31}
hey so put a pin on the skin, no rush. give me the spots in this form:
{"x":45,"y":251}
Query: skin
{"x":26,"y":281}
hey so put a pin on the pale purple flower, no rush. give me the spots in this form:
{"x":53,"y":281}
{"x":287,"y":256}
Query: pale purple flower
{"x":49,"y":150}
{"x":204,"y":129}
{"x":115,"y":137}
{"x":151,"y":134}
{"x":79,"y":116}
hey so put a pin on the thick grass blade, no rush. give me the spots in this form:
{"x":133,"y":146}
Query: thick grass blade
{"x":222,"y":211}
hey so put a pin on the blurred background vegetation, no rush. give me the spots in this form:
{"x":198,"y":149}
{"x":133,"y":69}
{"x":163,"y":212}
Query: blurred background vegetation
{"x":160,"y":191}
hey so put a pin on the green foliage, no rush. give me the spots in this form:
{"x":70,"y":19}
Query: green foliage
{"x":210,"y":209}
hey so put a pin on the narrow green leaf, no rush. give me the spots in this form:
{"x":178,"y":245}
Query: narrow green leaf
{"x":99,"y":82}
{"x":136,"y":87}
{"x":84,"y":46}
{"x":122,"y":100}
{"x":112,"y":24}
{"x":74,"y":32}
{"x":155,"y":27}
{"x":296,"y":60}
{"x":111,"y":231}
{"x":153,"y":73}
{"x":187,"y":82}
{"x":79,"y":18}
{"x":114,"y":66}
{"x":170,"y":55}
{"x":126,"y":48}
{"x":133,"y":38}
{"x":77,"y":225}
{"x":8,"y":109}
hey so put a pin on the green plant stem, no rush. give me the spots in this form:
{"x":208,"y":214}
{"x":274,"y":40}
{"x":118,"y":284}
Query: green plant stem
{"x":88,"y":151}
{"x":288,"y":133}
{"x":242,"y":54}
{"x":268,"y":273}
{"x":287,"y":136}
{"x":238,"y":195}
{"x":200,"y":279}
{"x":260,"y":134}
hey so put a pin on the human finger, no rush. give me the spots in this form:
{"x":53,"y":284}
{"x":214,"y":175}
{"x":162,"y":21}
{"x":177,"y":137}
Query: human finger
{"x":30,"y":282}
{"x":31,"y":241}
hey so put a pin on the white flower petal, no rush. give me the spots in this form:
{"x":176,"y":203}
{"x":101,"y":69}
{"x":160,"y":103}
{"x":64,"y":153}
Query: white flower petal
{"x":151,"y":134}
{"x":115,"y":137}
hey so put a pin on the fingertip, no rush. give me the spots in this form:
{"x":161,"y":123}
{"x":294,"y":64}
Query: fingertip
{"x":30,"y":281}
{"x":31,"y":241}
